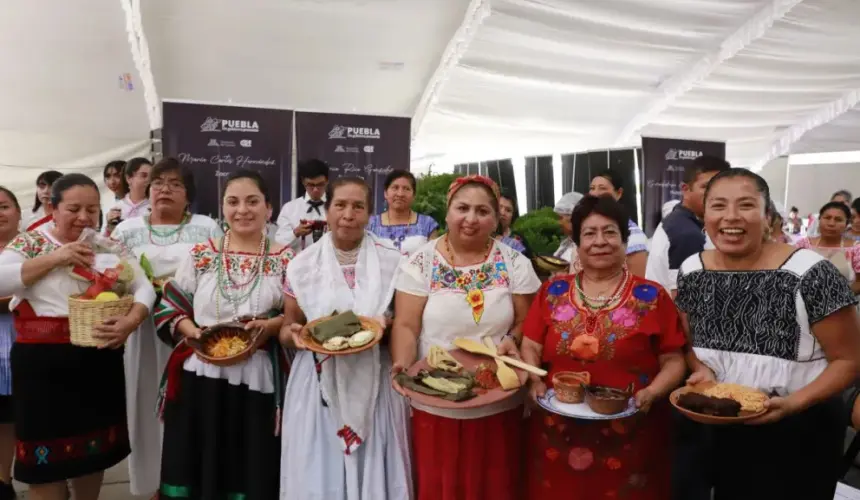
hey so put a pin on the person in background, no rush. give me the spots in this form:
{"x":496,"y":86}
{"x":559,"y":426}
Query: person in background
{"x":842,"y":196}
{"x":832,"y":244}
{"x":165,"y":236}
{"x":777,"y":223}
{"x":135,"y":179}
{"x":608,"y":183}
{"x":507,"y":217}
{"x":113,"y":181}
{"x":795,"y":225}
{"x":43,"y":210}
{"x":624,"y":331}
{"x":10,"y":218}
{"x":789,"y":330}
{"x":299,"y":220}
{"x":854,"y":229}
{"x":681,"y":233}
{"x":70,"y":414}
{"x":464,"y":284}
{"x":399,"y":224}
{"x":563,"y":209}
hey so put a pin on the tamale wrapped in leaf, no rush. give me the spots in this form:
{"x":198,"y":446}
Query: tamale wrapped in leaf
{"x":344,"y":324}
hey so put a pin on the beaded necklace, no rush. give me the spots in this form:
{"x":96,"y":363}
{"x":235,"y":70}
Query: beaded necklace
{"x":600,"y":303}
{"x":166,"y":233}
{"x":236,"y":293}
{"x":474,"y":294}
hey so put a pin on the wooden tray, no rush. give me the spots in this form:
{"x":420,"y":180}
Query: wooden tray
{"x":709,"y":419}
{"x":366,"y":324}
{"x":470,"y":362}
{"x":251,"y":337}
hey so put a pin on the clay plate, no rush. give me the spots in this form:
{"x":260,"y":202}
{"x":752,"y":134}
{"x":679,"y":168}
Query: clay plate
{"x":470,"y":362}
{"x":709,"y":419}
{"x":366,"y":324}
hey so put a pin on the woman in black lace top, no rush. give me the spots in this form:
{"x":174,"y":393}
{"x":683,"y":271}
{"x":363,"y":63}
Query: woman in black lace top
{"x":767,"y":315}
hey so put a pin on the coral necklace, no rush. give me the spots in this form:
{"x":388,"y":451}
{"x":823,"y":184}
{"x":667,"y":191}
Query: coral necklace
{"x":474,"y":294}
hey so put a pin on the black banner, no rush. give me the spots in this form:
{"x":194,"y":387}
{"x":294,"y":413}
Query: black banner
{"x":665,"y":162}
{"x":215,"y":141}
{"x":363,"y":146}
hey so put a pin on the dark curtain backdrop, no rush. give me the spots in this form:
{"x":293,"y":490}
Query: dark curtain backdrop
{"x":568,"y":167}
{"x":539,"y":182}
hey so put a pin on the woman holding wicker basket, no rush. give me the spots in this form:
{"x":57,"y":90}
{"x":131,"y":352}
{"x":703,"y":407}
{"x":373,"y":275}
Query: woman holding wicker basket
{"x":69,"y":404}
{"x":222,"y":418}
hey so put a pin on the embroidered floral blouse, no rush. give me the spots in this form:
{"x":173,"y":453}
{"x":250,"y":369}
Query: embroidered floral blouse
{"x":618,"y":347}
{"x":472,"y":302}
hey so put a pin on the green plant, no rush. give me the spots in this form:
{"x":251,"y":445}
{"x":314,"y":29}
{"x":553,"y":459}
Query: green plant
{"x":541,"y":230}
{"x":431,"y":196}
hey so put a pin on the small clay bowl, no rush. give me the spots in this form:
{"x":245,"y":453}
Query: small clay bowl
{"x":551,"y":264}
{"x":568,"y":387}
{"x":606,"y":400}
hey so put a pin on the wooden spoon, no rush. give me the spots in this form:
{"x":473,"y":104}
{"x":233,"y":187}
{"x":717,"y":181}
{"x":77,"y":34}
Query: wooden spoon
{"x":475,"y":347}
{"x":507,"y":376}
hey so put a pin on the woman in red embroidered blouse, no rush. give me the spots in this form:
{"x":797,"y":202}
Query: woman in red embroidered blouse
{"x":623,"y":330}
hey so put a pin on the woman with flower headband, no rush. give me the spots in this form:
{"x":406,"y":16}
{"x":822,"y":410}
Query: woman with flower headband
{"x":222,"y":423}
{"x":162,"y":238}
{"x":464,"y":284}
{"x":623,"y":331}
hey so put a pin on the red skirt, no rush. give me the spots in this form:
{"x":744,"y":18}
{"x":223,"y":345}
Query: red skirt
{"x":477,"y":459}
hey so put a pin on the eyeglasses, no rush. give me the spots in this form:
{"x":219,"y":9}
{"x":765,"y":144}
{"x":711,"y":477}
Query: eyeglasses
{"x":160,"y":185}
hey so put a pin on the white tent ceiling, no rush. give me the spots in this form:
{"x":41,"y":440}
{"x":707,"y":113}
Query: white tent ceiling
{"x":482,"y":79}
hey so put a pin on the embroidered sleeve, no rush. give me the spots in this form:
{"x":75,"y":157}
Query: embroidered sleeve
{"x":524,"y":280}
{"x":30,"y":245}
{"x":854,"y":258}
{"x":637,"y":241}
{"x":412,"y":278}
{"x":824,"y":291}
{"x":430,"y":225}
{"x":682,"y":299}
{"x":802,"y":243}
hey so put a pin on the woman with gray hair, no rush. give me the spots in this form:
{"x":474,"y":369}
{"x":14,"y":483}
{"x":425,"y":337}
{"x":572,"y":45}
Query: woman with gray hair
{"x":564,"y":208}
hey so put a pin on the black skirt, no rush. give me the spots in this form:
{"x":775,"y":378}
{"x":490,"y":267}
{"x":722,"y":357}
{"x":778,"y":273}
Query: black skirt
{"x":69,"y":411}
{"x":220,"y":442}
{"x":798,"y":457}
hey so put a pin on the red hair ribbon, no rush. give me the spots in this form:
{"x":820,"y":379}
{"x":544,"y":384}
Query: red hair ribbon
{"x":459,"y":182}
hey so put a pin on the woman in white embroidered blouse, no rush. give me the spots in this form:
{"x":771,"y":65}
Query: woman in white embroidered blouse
{"x":346,"y":433}
{"x":164,"y":237}
{"x":69,"y":400}
{"x":222,"y":423}
{"x":465,"y":284}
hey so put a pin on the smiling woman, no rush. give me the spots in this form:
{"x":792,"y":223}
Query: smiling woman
{"x":620,"y":331}
{"x":50,"y":376}
{"x":768,"y":316}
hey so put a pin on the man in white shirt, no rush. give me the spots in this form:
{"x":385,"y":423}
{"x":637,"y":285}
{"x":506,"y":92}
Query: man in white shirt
{"x":299,"y":223}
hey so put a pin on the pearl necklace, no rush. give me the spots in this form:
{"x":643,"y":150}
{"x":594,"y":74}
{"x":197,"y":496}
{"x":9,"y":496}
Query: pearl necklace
{"x":230,"y":289}
{"x":347,"y":257}
{"x":602,"y":302}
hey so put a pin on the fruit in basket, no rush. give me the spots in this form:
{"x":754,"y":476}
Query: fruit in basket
{"x":106,"y":297}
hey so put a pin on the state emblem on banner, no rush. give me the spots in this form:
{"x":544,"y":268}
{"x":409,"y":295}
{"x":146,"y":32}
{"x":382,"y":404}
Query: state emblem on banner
{"x":337,"y":132}
{"x":211,"y":125}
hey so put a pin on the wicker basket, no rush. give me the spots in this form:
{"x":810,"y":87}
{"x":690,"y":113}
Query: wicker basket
{"x":85,"y":314}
